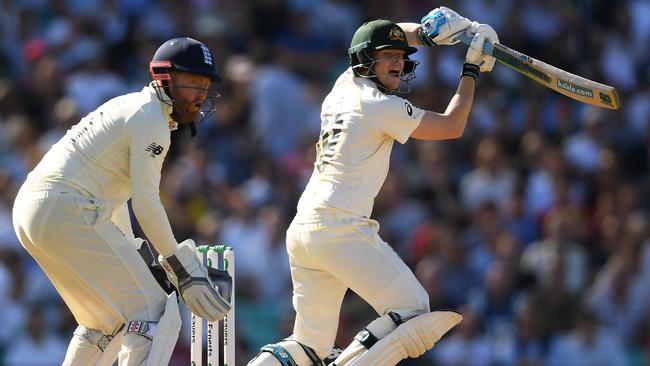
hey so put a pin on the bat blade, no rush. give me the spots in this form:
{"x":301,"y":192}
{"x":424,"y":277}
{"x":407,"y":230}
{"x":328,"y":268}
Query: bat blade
{"x":563,"y":82}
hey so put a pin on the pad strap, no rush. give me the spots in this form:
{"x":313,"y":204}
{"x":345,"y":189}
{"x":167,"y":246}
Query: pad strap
{"x":94,"y":337}
{"x":367,"y":339}
{"x":315,"y":360}
{"x":141,"y":327}
{"x":396,"y":318}
{"x":280,"y":354}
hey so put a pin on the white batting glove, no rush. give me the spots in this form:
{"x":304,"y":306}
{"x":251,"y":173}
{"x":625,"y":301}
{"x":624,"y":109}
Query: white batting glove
{"x":481,"y":34}
{"x":442,"y":25}
{"x":190,"y":277}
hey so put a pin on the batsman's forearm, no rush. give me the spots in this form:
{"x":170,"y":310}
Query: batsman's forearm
{"x":461,"y":104}
{"x":451,"y":124}
{"x":411,"y":30}
{"x":154,"y":222}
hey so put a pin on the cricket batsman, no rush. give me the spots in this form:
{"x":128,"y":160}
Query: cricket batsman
{"x":332,"y":242}
{"x":71,"y":215}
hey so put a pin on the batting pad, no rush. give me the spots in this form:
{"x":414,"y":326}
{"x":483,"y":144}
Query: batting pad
{"x":283,"y":353}
{"x":167,"y":333}
{"x":411,"y":339}
{"x":377,"y":329}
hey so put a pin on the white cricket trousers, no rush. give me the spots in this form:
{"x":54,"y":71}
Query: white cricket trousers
{"x":331,"y":251}
{"x":94,"y":267}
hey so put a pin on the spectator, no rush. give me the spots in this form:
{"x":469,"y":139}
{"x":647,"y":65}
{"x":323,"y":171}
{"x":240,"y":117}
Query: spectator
{"x":466,"y":346}
{"x":588,"y":344}
{"x":490,"y":181}
{"x":525,"y":345}
{"x":37,"y":346}
{"x":557,"y":253}
{"x":620,"y":296}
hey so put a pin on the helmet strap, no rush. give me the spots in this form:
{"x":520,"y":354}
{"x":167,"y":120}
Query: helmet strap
{"x":166,"y":88}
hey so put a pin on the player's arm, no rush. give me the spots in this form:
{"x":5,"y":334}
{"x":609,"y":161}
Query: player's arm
{"x":439,"y":27}
{"x":122,"y":220}
{"x":412,"y":30}
{"x":148,"y":149}
{"x":149,"y":146}
{"x":450,"y":124}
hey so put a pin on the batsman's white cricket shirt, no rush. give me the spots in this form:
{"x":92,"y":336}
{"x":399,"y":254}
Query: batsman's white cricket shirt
{"x":115,"y":153}
{"x":359,"y":124}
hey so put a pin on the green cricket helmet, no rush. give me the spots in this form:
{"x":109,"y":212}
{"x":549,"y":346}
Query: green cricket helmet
{"x":379,"y":35}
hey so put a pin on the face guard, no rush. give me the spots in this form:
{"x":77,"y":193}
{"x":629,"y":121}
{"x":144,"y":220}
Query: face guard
{"x":364,"y":68}
{"x":160,"y":70}
{"x":188,"y":55}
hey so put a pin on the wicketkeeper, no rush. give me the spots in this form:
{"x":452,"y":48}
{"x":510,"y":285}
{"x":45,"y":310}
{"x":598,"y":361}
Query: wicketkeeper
{"x":71,"y":215}
{"x":332,"y":242}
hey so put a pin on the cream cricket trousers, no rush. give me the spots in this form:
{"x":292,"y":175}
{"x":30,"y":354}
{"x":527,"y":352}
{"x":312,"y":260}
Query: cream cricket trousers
{"x":331,"y":251}
{"x":94,"y":267}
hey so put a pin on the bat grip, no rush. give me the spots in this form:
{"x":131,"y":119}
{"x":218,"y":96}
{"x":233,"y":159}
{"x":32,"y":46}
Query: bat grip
{"x":467,"y":40}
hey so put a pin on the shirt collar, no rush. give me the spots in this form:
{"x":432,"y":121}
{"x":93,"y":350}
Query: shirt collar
{"x":360,"y":80}
{"x":167,"y":107}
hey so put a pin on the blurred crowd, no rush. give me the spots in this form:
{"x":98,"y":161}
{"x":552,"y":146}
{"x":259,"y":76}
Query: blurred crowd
{"x":535,"y":224}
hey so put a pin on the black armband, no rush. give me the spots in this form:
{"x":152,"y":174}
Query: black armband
{"x":424,"y":38}
{"x":470,"y":70}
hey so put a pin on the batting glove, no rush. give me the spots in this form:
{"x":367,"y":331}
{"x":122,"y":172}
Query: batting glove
{"x":191,"y":278}
{"x":481,"y":33}
{"x":441,"y":26}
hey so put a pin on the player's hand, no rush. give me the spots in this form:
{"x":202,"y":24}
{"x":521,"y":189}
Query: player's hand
{"x":442,"y":25}
{"x":190,"y":277}
{"x":481,"y":33}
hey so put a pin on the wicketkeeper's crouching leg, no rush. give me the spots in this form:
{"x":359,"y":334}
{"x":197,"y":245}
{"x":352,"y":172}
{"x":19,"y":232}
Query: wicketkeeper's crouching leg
{"x":138,"y":342}
{"x":92,"y":347}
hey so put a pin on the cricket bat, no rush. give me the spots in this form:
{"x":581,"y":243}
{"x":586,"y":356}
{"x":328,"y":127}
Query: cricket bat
{"x":563,"y":82}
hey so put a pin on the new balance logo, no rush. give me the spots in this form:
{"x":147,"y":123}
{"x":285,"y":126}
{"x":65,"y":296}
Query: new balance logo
{"x":154,"y":149}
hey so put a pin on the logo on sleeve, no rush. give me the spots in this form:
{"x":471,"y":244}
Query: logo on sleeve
{"x":154,"y":149}
{"x":409,"y":109}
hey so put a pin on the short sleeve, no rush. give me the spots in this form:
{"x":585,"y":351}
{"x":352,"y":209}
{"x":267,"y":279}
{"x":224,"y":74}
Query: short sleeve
{"x":395,"y":116}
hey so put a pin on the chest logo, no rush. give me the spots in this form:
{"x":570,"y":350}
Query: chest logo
{"x":154,"y":149}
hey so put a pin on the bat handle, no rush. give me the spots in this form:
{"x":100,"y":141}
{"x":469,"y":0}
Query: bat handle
{"x":467,"y":40}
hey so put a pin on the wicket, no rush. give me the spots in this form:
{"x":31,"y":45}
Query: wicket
{"x":196,"y":336}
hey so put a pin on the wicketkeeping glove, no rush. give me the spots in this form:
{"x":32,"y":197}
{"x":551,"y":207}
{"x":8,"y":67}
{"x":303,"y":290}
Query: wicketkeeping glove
{"x":190,"y":277}
{"x":441,"y":26}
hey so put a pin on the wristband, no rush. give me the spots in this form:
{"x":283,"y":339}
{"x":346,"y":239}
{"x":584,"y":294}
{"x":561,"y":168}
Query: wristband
{"x":470,"y":70}
{"x":424,"y":38}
